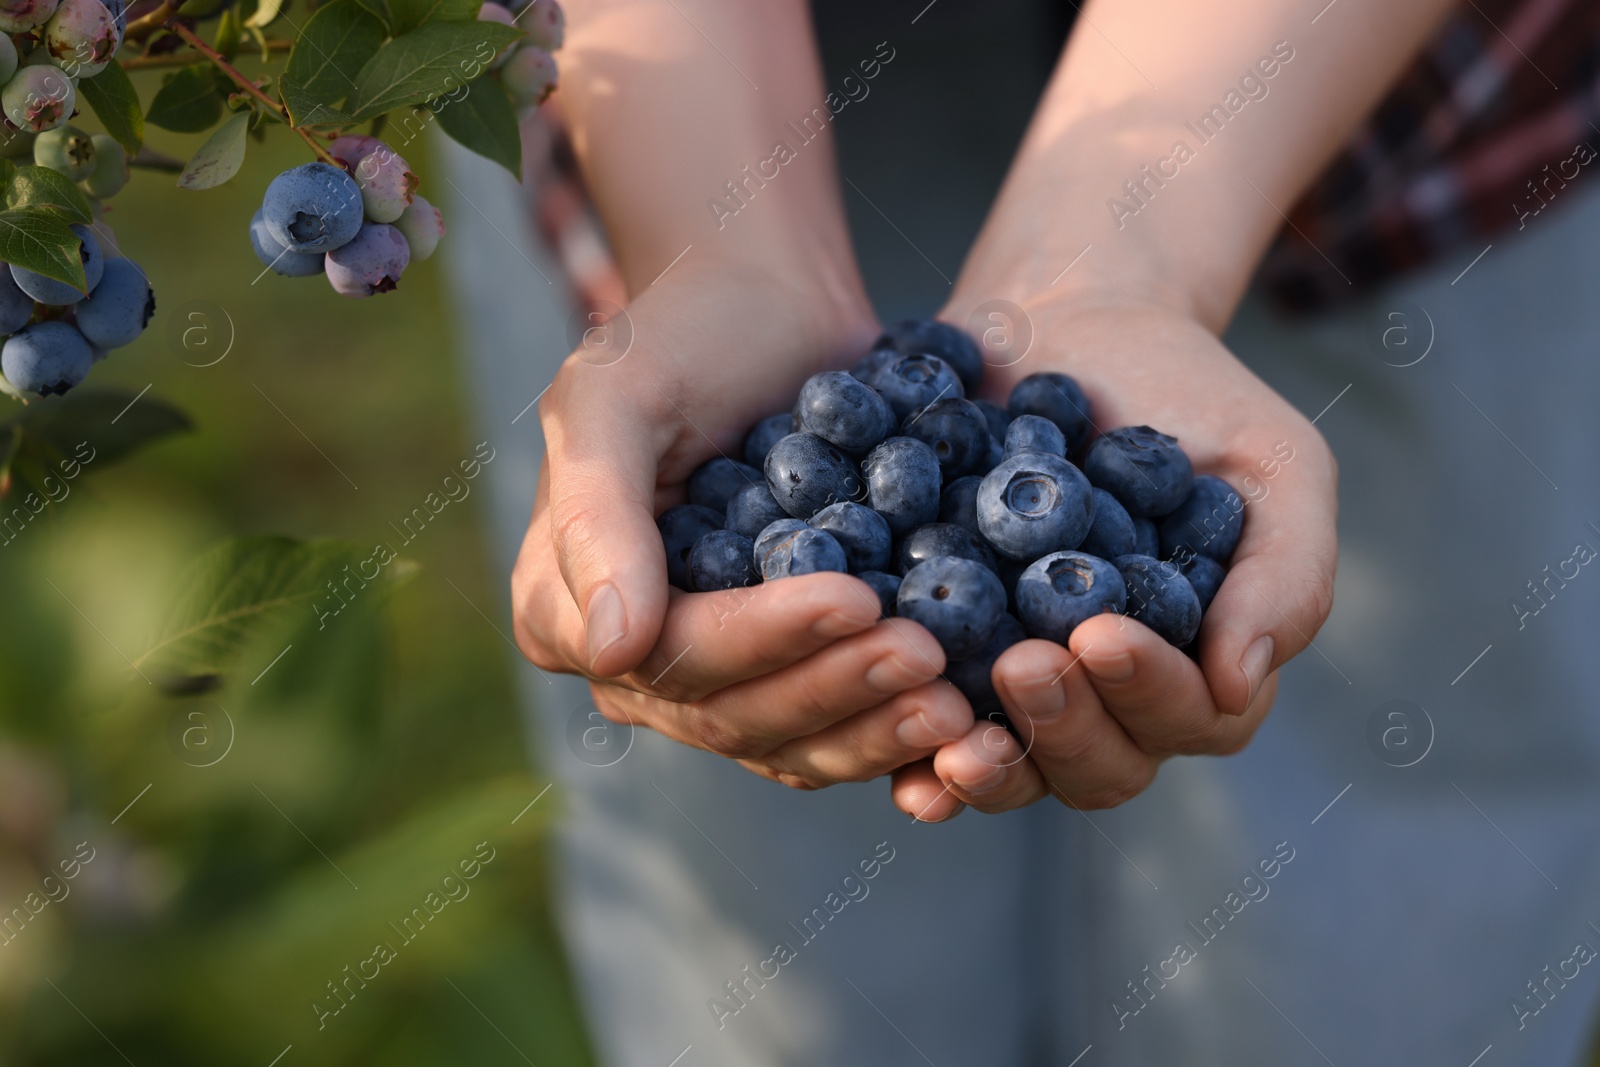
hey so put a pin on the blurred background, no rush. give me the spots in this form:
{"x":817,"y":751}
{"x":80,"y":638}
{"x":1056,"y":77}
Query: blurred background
{"x":276,"y":829}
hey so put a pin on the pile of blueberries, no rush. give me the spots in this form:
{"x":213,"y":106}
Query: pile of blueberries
{"x":986,"y":525}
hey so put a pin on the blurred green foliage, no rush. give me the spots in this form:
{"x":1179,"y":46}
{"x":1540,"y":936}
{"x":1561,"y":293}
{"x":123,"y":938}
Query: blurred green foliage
{"x":256,"y":831}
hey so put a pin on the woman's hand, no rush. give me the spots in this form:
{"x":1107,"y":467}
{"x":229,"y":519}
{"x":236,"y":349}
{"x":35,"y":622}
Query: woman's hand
{"x":1096,"y":718}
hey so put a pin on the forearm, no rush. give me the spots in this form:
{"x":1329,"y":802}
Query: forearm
{"x":663,"y":119}
{"x":1176,"y":211}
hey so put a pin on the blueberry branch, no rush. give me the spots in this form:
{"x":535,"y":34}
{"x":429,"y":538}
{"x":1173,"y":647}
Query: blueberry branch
{"x":146,"y":24}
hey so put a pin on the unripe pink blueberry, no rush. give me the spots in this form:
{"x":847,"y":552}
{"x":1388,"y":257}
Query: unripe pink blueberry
{"x":422,"y":226}
{"x":81,"y":37}
{"x":545,"y":23}
{"x":351,"y":147}
{"x":19,"y":16}
{"x":39,"y":98}
{"x":493,"y":12}
{"x":387,"y":184}
{"x":372,"y":263}
{"x":529,"y":76}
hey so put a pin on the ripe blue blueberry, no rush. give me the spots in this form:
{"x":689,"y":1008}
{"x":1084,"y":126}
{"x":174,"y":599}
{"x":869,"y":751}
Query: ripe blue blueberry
{"x":275,"y":254}
{"x":910,"y":382}
{"x":1143,"y":468}
{"x":860,"y":531}
{"x":46,"y":358}
{"x":804,"y":551}
{"x":681,"y":527}
{"x":119,"y":308}
{"x":887,"y":586}
{"x":1205,"y":575}
{"x":752,"y":509}
{"x":958,"y":601}
{"x":974,"y":676}
{"x":958,"y":503}
{"x":1208,"y":522}
{"x":1161,"y":597}
{"x":1112,"y":533}
{"x":806,"y":474}
{"x":930,"y":337}
{"x":1063,"y":589}
{"x":721,"y":559}
{"x":956,"y":431}
{"x":1057,"y":397}
{"x":1035,"y":503}
{"x":773,"y":534}
{"x":903,"y":483}
{"x":768,"y":432}
{"x":998,"y":418}
{"x":942,"y":539}
{"x":16,"y":307}
{"x":315,"y":207}
{"x":844,"y":411}
{"x":1034,"y":433}
{"x":58,"y":294}
{"x":1146,"y":537}
{"x":714,"y":482}
{"x":371,"y":263}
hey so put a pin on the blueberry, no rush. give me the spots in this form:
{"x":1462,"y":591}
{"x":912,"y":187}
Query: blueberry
{"x":958,"y":503}
{"x":715,"y":481}
{"x":545,"y":23}
{"x":844,"y":411}
{"x":956,"y":431}
{"x":81,"y":37}
{"x":752,"y":509}
{"x":869,"y":364}
{"x":996,"y":456}
{"x":721,"y":559}
{"x":48,"y":290}
{"x":942,"y":539}
{"x":1161,"y":597}
{"x":860,"y":531}
{"x":19,"y":16}
{"x":529,"y":76}
{"x":274,"y":254}
{"x":110,"y":172}
{"x":422,"y":226}
{"x":386,"y":182}
{"x":911,"y":382}
{"x":1034,"y":433}
{"x":974,"y":676}
{"x":39,"y":98}
{"x":768,"y":432}
{"x":930,"y":337}
{"x":997,"y":417}
{"x":315,"y":207}
{"x":804,"y":551}
{"x":16,"y":307}
{"x":903,"y":483}
{"x":66,"y":150}
{"x":46,"y":358}
{"x":1146,"y":538}
{"x":1057,"y":397}
{"x":774,"y":534}
{"x":119,"y":308}
{"x":371,"y":263}
{"x":494,"y":12}
{"x":9,"y":59}
{"x":887,"y":586}
{"x":1143,"y":468}
{"x":1205,"y":575}
{"x":1063,"y":589}
{"x":1112,"y":532}
{"x":681,"y":527}
{"x":1208,"y":522}
{"x":806,"y":474}
{"x":959,"y":601}
{"x":1035,"y":503}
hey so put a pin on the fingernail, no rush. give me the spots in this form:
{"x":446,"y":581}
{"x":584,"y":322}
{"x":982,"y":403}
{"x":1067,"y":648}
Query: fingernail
{"x":1117,"y":668}
{"x":605,"y":619}
{"x":932,"y":727}
{"x":981,"y":783}
{"x":845,"y":621}
{"x":1043,"y":699}
{"x":891,"y":674}
{"x":1255,"y":663}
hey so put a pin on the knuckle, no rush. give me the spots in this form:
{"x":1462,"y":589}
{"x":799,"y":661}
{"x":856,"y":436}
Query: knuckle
{"x":713,"y":731}
{"x":574,"y":525}
{"x":1111,"y":796}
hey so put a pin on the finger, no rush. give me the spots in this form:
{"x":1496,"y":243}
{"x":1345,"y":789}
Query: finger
{"x":602,"y":464}
{"x":544,"y":620}
{"x":753,"y":718}
{"x":1081,"y":750}
{"x":1157,"y":694}
{"x":989,"y":770}
{"x":1279,"y":588}
{"x":917,"y":791}
{"x":873,"y":743}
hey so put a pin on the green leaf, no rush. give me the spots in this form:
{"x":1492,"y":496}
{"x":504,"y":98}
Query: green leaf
{"x":115,"y":103}
{"x":485,"y":121}
{"x":409,"y":14}
{"x":219,"y":158}
{"x":265,"y":14}
{"x":246,"y":585}
{"x":305,"y":109}
{"x":230,"y":28}
{"x":38,"y":239}
{"x":380,"y":10}
{"x":86,"y":430}
{"x":336,"y":43}
{"x":188,"y":102}
{"x":426,"y":63}
{"x":33,"y":186}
